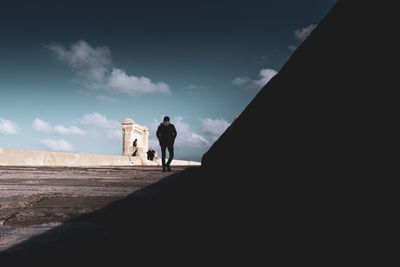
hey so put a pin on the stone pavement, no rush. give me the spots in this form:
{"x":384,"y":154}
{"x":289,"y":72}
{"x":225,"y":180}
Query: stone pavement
{"x":36,"y":199}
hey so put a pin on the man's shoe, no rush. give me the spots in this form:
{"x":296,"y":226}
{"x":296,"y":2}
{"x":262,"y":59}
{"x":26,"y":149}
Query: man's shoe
{"x":168,"y":168}
{"x":163,"y":169}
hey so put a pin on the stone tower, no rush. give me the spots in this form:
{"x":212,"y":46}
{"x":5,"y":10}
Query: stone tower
{"x":130,"y":132}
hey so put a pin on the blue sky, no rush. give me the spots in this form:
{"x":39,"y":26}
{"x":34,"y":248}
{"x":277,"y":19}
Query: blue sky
{"x":70,"y":72}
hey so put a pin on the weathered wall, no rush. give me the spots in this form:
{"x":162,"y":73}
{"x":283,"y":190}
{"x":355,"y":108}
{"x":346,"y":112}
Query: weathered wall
{"x":14,"y":157}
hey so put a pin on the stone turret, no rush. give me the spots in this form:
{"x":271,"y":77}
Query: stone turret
{"x":130,"y":132}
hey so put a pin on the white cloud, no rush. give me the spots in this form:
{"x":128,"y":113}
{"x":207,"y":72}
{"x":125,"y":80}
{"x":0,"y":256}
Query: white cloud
{"x":292,"y":47}
{"x":194,"y":88}
{"x":112,"y":128}
{"x":41,"y":126}
{"x":71,"y":130}
{"x":98,"y":120}
{"x":45,"y":127}
{"x":106,"y":99}
{"x":301,"y":34}
{"x":119,"y":81}
{"x":57,"y":145}
{"x":115,"y":133}
{"x":186,"y":137}
{"x":94,"y":68}
{"x":153,"y":141}
{"x":8,"y":127}
{"x":241,"y":80}
{"x":90,"y":63}
{"x":213,"y":128}
{"x":265,"y":76}
{"x":191,"y":142}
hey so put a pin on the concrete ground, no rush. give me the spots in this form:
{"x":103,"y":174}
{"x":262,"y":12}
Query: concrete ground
{"x":36,"y":199}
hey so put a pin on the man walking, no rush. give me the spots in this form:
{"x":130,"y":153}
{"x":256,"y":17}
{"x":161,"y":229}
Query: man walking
{"x":166,"y":134}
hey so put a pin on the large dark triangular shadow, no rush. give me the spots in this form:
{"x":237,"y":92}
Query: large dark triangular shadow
{"x":279,"y":185}
{"x":127,"y":224}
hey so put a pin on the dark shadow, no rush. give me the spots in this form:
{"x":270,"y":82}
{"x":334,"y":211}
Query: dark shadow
{"x":322,"y":125}
{"x":112,"y":233}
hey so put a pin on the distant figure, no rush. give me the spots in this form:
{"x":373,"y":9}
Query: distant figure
{"x":134,"y":147}
{"x":166,"y":134}
{"x":150,"y":154}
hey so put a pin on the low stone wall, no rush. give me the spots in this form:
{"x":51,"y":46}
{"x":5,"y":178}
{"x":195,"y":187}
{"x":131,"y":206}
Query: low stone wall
{"x":14,"y":157}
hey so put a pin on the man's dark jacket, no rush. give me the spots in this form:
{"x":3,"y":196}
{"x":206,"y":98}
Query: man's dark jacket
{"x":166,"y":134}
{"x":150,"y":154}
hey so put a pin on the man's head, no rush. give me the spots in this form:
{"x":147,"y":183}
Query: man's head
{"x":166,"y":118}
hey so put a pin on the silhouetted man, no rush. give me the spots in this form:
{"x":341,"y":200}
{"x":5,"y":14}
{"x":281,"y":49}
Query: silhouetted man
{"x":166,"y":134}
{"x":150,"y":154}
{"x":134,"y":148}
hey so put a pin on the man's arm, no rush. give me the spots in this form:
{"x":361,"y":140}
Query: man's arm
{"x":174,"y":131}
{"x":158,"y":133}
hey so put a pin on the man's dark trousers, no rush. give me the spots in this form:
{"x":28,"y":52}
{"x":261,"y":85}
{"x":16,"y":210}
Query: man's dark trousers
{"x":163,"y":155}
